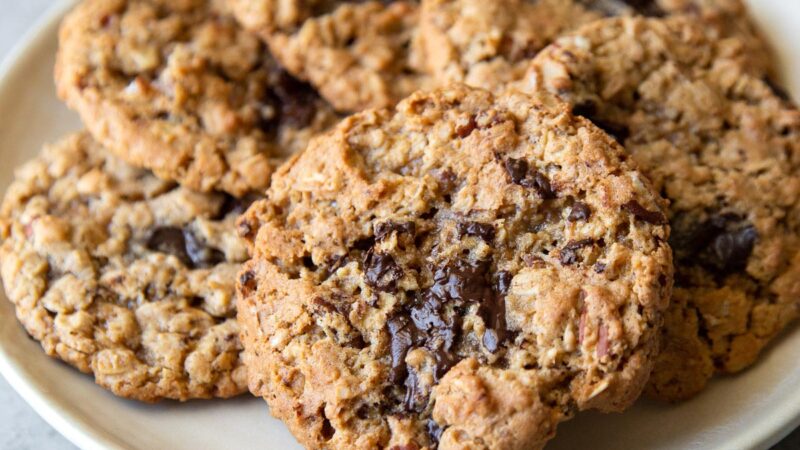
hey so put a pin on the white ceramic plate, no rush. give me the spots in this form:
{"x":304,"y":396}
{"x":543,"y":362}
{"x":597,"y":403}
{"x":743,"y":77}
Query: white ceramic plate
{"x":753,"y":410}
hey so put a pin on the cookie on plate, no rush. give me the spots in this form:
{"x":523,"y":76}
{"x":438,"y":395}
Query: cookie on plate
{"x":123,"y":275}
{"x":488,"y":43}
{"x":357,"y":53}
{"x":462,"y":271}
{"x":177,"y":87}
{"x":722,"y":146}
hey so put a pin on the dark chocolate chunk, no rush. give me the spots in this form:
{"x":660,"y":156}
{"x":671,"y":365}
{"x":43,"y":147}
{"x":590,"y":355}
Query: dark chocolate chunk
{"x":381,"y":271}
{"x":200,"y":254}
{"x":613,"y":8}
{"x":493,"y":312}
{"x":385,"y":228}
{"x":170,"y":240}
{"x":236,"y":206}
{"x":569,"y":254}
{"x":434,"y":430}
{"x":296,"y":100}
{"x":517,"y":170}
{"x":364,"y":244}
{"x":484,"y":231}
{"x":247,"y":282}
{"x":185,"y":246}
{"x":580,"y":212}
{"x":461,"y":282}
{"x":729,"y":251}
{"x":723,"y":244}
{"x":637,"y":210}
{"x":521,"y":174}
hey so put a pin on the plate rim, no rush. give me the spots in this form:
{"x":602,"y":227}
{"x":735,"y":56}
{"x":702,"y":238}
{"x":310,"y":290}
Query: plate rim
{"x":74,"y":429}
{"x":767,"y":431}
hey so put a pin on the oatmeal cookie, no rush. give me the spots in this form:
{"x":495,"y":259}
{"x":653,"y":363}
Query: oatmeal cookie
{"x":178,"y":88}
{"x":489,"y":43}
{"x":357,"y":53}
{"x":464,"y":271}
{"x":723,"y":146}
{"x":123,"y":275}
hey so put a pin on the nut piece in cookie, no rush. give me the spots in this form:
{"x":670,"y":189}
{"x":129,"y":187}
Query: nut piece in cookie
{"x":463,"y":271}
{"x":124,"y":276}
{"x":178,"y":88}
{"x":359,"y":54}
{"x":722,"y":146}
{"x":489,"y":43}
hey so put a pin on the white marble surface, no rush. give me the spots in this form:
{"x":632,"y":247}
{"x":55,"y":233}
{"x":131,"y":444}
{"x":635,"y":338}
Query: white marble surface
{"x":20,"y":427}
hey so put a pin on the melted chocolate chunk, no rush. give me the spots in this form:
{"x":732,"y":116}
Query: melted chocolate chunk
{"x":637,"y":210}
{"x":185,"y":246}
{"x":580,"y":212}
{"x":384,"y":229}
{"x":484,"y":231}
{"x":493,"y":312}
{"x":589,"y":111}
{"x":381,"y":271}
{"x":722,"y":244}
{"x":402,"y":335}
{"x":569,"y":254}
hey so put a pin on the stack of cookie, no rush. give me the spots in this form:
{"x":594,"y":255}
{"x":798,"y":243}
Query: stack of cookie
{"x":408,"y":225}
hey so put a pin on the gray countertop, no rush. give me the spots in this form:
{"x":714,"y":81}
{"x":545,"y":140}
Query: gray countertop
{"x":20,"y":427}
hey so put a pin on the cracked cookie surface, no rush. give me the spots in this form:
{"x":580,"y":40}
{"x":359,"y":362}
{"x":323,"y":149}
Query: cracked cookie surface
{"x":489,"y":43}
{"x":722,"y":146}
{"x":463,"y":271}
{"x":124,"y":276}
{"x":178,"y":88}
{"x":359,"y":54}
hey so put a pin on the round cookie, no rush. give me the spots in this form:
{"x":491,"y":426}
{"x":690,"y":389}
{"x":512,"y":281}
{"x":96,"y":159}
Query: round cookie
{"x":722,"y":146}
{"x":464,"y":271}
{"x":123,"y":275}
{"x":489,"y":43}
{"x":357,"y":53}
{"x":177,"y":87}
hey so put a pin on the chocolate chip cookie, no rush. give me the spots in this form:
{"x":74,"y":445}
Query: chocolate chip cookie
{"x":123,"y":275}
{"x":359,"y":54}
{"x":177,"y":87}
{"x":464,"y":271}
{"x":489,"y":43}
{"x":722,"y":146}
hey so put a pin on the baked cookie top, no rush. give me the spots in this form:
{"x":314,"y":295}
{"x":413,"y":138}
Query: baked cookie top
{"x":722,"y":146}
{"x":123,"y":275}
{"x":358,"y":54}
{"x":466,"y":270}
{"x":177,"y":87}
{"x":489,"y":43}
